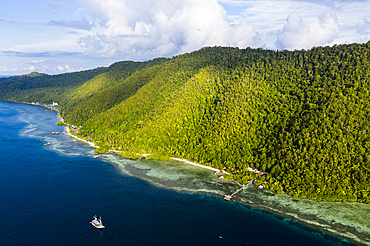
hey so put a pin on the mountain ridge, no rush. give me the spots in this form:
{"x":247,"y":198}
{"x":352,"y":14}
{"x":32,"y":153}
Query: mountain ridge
{"x":299,"y":116}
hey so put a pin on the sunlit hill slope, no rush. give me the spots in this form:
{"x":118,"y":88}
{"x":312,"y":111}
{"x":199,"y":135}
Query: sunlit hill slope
{"x":301,"y":116}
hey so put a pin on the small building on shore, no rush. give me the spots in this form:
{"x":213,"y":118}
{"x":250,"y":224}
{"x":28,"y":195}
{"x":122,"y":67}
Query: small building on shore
{"x":74,"y":128}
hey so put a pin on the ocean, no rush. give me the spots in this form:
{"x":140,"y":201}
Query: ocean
{"x":50,"y":193}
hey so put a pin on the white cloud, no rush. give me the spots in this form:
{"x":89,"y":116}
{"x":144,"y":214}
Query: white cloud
{"x":5,"y":69}
{"x":69,"y":69}
{"x":82,"y":24}
{"x":31,"y":68}
{"x":79,"y":11}
{"x":146,"y":29}
{"x":60,"y":68}
{"x":66,"y":43}
{"x":38,"y":61}
{"x":269,"y":16}
{"x":55,"y":5}
{"x":299,"y":34}
{"x":363,"y":29}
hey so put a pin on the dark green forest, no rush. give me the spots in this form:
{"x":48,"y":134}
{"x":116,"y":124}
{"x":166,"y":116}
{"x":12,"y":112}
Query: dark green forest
{"x":300,"y":116}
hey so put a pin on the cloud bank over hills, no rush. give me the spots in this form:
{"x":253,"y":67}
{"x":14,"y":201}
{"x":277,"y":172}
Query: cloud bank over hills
{"x":99,"y":32}
{"x":300,"y":34}
{"x":146,"y":29}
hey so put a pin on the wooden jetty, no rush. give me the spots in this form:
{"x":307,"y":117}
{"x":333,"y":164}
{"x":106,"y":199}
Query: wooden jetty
{"x":61,"y":142}
{"x":97,"y":156}
{"x":228,"y":197}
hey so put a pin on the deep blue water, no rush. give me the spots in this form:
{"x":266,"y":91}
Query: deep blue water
{"x":49,"y":199}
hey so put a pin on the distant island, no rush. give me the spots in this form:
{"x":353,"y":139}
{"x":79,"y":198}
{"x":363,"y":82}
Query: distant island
{"x":301,"y":117}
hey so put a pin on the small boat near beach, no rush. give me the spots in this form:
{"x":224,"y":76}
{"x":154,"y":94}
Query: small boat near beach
{"x":97,"y":223}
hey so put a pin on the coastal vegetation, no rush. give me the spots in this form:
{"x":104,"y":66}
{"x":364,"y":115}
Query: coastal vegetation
{"x":299,"y":116}
{"x":101,"y":150}
{"x":60,"y":123}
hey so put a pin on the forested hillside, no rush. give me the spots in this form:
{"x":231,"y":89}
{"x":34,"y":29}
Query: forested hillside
{"x":301,"y":116}
{"x":102,"y":92}
{"x":42,"y":87}
{"x":69,"y":89}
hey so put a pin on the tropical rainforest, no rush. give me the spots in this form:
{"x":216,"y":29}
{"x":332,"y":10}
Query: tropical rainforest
{"x":301,"y":117}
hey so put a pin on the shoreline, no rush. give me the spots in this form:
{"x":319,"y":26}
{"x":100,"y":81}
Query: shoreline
{"x":143,"y":155}
{"x":195,"y":164}
{"x":75,"y":137}
{"x":318,"y":216}
{"x":352,"y":235}
{"x":301,"y":219}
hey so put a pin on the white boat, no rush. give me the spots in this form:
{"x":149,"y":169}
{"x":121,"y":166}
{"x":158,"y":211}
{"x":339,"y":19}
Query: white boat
{"x":97,"y":223}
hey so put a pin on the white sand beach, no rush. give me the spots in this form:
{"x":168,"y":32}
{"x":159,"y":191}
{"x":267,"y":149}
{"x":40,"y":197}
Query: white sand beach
{"x":66,"y":128}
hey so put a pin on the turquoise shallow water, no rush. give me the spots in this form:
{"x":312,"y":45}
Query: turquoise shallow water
{"x":50,"y":193}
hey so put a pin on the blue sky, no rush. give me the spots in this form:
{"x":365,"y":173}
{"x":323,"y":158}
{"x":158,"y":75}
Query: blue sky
{"x":72,"y":35}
